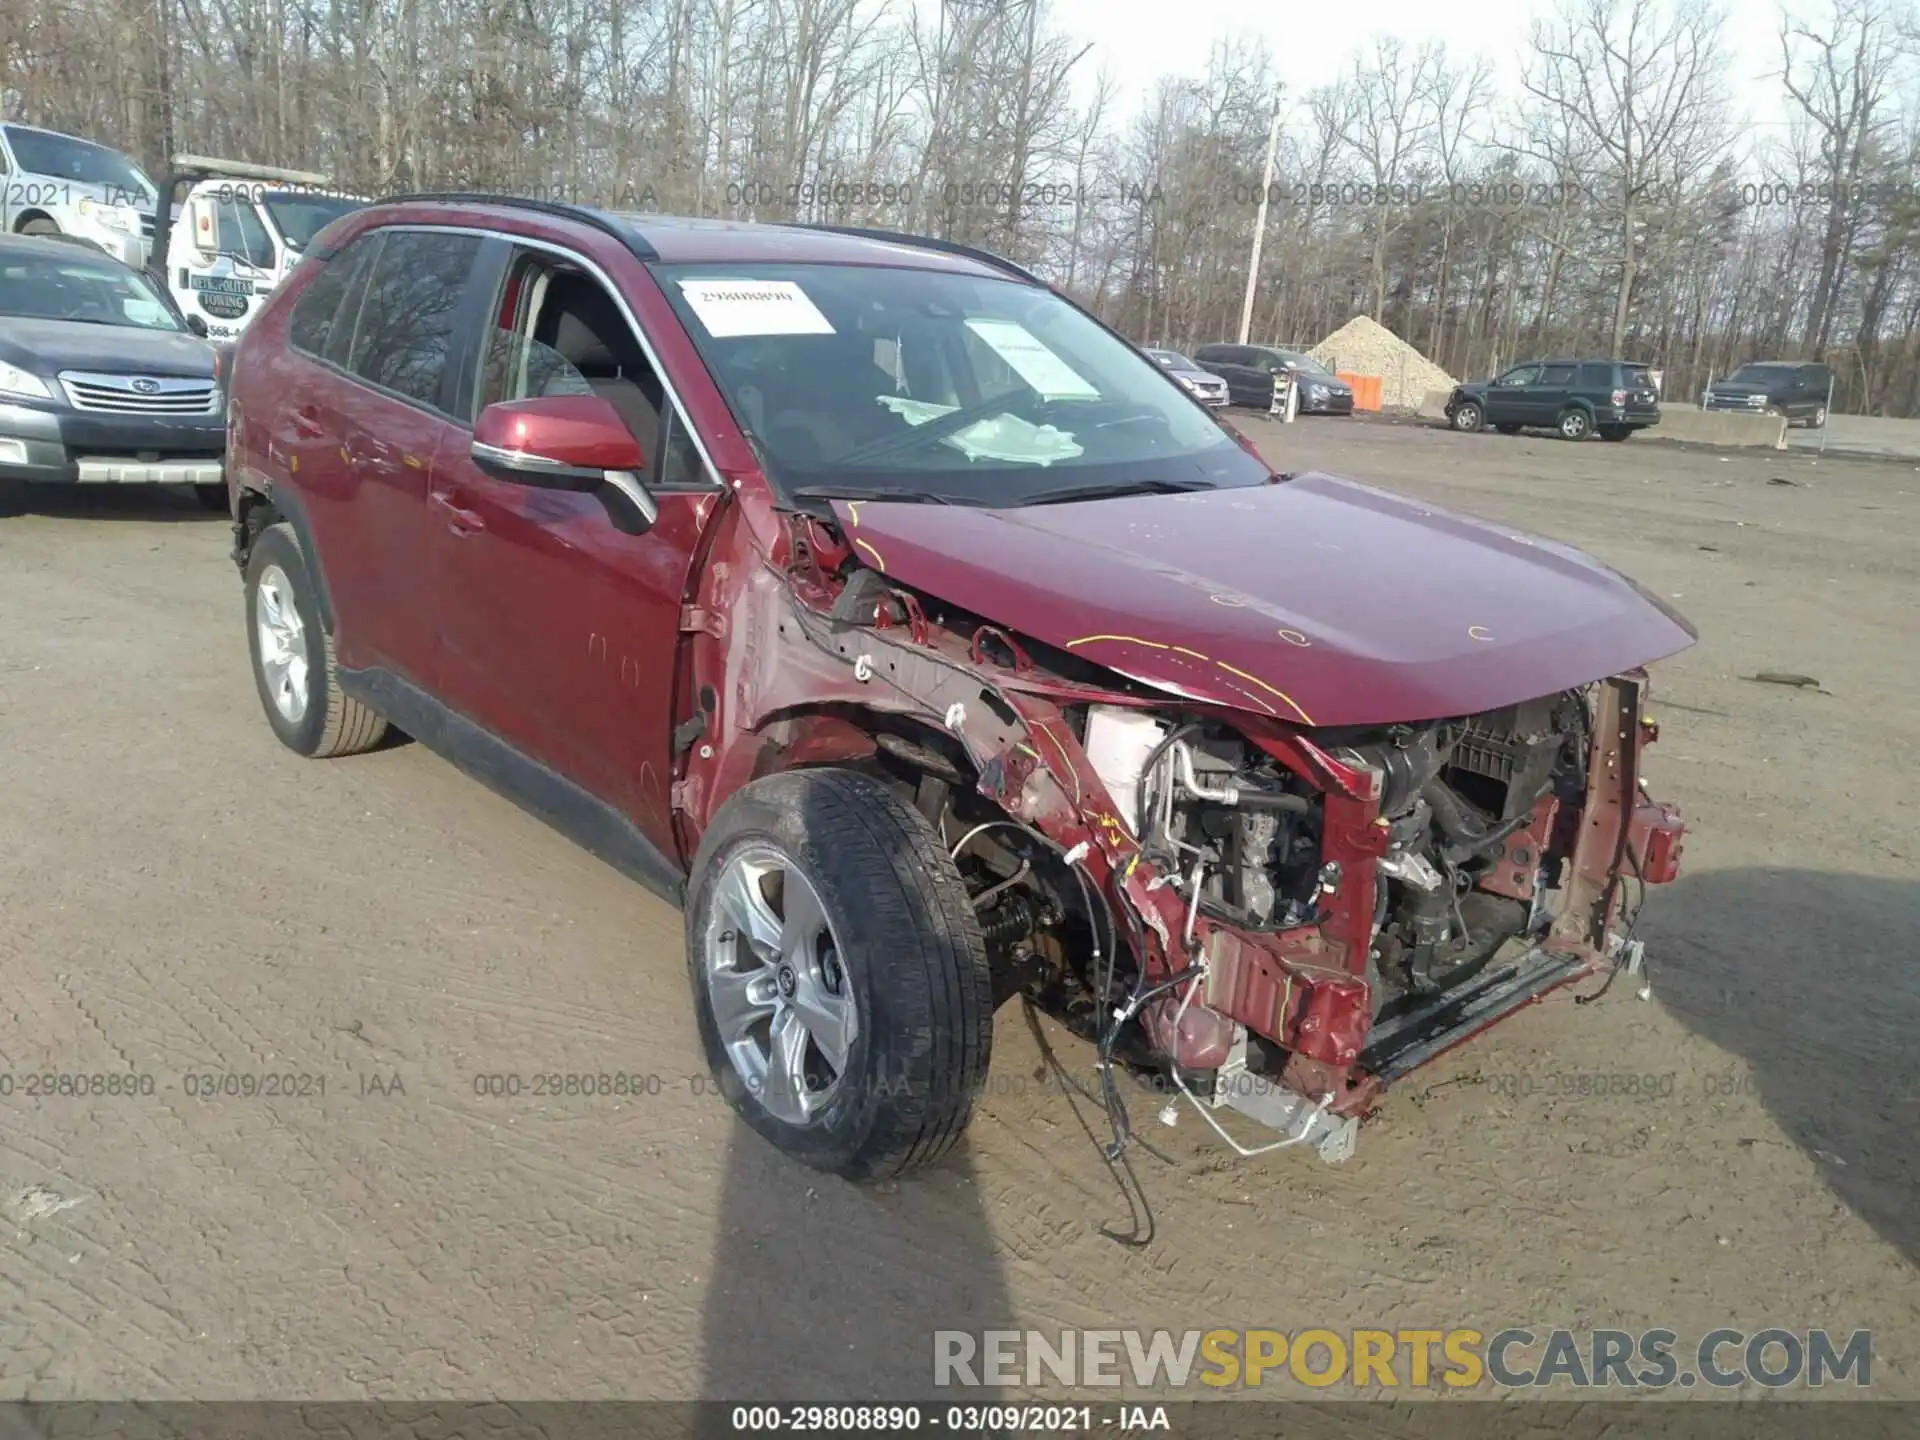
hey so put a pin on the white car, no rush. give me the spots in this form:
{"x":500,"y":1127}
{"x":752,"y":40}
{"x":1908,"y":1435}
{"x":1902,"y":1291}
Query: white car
{"x":54,"y":184}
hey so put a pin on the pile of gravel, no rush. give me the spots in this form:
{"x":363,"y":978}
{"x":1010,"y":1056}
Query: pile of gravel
{"x":1364,"y":347}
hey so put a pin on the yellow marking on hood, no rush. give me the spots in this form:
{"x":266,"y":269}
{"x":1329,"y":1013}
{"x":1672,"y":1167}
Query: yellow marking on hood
{"x":1194,"y":653}
{"x":853,"y":511}
{"x":1124,"y":639}
{"x":414,"y":462}
{"x":1479,"y":632}
{"x":880,"y":564}
{"x":1305,"y":719}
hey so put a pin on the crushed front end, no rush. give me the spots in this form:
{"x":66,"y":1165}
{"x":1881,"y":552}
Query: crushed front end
{"x":1267,"y":915}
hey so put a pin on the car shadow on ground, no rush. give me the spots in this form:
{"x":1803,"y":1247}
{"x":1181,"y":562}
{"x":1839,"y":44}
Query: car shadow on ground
{"x":826,"y":1291}
{"x":1813,"y":981}
{"x":106,"y":502}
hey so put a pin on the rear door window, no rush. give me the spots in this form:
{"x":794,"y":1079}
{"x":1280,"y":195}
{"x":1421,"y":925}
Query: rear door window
{"x":408,"y":320}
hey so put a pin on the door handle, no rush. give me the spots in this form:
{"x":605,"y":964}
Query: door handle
{"x":306,"y":423}
{"x":460,"y":520}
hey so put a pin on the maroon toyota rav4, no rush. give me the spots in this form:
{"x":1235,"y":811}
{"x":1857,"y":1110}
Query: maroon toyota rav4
{"x":932,"y":648}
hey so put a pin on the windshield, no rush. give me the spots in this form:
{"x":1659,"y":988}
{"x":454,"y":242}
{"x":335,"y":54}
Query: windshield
{"x":301,"y":217}
{"x":39,"y":152}
{"x":97,"y":292}
{"x":1306,"y":364}
{"x":957,"y":387}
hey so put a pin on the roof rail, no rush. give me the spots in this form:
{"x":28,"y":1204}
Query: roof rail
{"x":626,"y":235}
{"x":922,"y":242}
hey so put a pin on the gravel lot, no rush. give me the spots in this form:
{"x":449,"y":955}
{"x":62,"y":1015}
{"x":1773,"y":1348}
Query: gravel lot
{"x":181,"y":897}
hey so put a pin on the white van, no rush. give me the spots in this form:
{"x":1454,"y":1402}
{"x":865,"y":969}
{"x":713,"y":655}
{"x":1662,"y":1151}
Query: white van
{"x":239,"y":231}
{"x":54,"y":184}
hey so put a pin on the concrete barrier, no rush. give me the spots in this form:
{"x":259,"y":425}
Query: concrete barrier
{"x":1720,"y":427}
{"x":1433,"y":405}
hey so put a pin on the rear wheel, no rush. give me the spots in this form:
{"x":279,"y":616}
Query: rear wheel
{"x":293,"y":664}
{"x":1615,"y":432}
{"x":1468,"y":417}
{"x":839,"y":977}
{"x":1575,"y":423}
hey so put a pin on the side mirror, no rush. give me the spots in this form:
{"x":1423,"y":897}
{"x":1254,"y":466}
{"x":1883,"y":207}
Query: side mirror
{"x":568,"y":442}
{"x":197,"y":325}
{"x":203,"y":225}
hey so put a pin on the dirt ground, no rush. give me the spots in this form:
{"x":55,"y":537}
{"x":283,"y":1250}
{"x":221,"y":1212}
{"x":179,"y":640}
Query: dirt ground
{"x":181,"y":897}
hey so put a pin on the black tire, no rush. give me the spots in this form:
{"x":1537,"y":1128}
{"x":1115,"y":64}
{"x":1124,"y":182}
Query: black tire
{"x":1574,"y":423}
{"x":330,"y":723}
{"x":1615,"y":432}
{"x":1507,"y":427}
{"x":213,"y":497}
{"x":1818,"y":420}
{"x":39,"y":225}
{"x":907,"y":947}
{"x":1468,"y":417}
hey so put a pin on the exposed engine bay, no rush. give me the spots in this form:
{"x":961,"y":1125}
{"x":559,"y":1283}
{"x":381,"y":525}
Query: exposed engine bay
{"x":1479,"y":814}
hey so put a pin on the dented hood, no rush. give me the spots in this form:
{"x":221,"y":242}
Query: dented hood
{"x":1319,"y":600}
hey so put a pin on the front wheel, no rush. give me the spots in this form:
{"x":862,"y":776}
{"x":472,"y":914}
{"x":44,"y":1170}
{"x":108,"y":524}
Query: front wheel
{"x":1468,"y":417}
{"x":1575,"y":424}
{"x":1818,"y":420}
{"x":840,"y":981}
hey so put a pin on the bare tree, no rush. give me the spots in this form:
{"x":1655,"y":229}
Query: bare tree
{"x":1644,"y":88}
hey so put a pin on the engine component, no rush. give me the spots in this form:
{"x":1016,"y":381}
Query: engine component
{"x":1119,"y":743}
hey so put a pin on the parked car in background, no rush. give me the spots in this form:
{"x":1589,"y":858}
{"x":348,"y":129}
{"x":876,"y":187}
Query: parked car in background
{"x":101,"y":378}
{"x":1254,"y":374}
{"x":1206,"y":387}
{"x":1578,"y":398}
{"x":877,"y":603}
{"x":60,"y":184}
{"x":1321,"y":391}
{"x":1796,"y":389}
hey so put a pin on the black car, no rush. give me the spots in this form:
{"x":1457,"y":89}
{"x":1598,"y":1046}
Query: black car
{"x":1797,"y":389}
{"x":1321,"y":391}
{"x":1610,"y":398}
{"x":1206,"y":387}
{"x":1255,"y":373}
{"x":101,"y":378}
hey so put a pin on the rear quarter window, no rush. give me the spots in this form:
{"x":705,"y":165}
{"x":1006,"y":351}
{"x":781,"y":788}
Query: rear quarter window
{"x":1596,"y":377}
{"x":312,"y":325}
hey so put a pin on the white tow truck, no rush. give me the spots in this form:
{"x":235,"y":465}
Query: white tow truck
{"x":230,"y":232}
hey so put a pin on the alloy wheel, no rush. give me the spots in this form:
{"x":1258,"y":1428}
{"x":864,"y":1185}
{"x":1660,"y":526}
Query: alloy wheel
{"x":780,"y":996}
{"x":284,"y":662}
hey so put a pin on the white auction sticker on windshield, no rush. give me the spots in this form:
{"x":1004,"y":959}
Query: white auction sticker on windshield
{"x":1033,"y":362}
{"x":731,"y":308}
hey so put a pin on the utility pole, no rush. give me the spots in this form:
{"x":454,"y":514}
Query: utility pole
{"x":1260,"y":225}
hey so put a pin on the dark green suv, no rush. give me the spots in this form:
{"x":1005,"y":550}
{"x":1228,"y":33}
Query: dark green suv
{"x":1608,"y":398}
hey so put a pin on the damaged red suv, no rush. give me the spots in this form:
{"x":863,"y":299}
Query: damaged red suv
{"x":932,"y":648}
